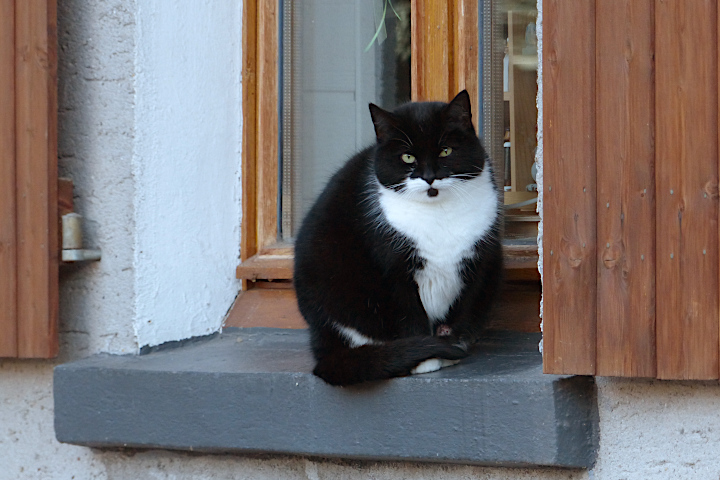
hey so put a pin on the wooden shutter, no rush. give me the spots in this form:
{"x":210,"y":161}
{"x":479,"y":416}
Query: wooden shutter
{"x":631,"y":188}
{"x":28,"y":179}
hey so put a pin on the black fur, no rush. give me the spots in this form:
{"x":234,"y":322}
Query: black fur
{"x":353,"y":269}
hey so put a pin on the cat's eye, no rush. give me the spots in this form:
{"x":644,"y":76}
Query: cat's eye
{"x":407,"y":158}
{"x":445,"y":151}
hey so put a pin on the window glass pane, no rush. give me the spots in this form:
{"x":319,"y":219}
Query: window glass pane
{"x":333,"y":66}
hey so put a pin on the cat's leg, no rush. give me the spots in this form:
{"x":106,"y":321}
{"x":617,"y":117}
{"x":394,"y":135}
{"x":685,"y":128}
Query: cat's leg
{"x":468,"y":319}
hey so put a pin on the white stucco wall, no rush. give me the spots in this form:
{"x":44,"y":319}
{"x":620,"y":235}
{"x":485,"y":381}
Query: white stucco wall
{"x":134,"y":134}
{"x":186,"y":162}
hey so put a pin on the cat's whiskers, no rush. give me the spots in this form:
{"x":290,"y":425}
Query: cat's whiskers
{"x":463,"y":176}
{"x":467,"y":197}
{"x":406,"y":144}
{"x":460,"y":193}
{"x":441,"y":141}
{"x":463,"y":189}
{"x":409,"y":141}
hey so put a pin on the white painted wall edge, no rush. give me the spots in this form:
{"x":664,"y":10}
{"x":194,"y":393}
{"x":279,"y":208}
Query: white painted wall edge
{"x":539,"y":151}
{"x":186,"y":162}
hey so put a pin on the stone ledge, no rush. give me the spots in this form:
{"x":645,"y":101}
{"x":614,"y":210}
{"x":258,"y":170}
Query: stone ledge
{"x":251,"y":391}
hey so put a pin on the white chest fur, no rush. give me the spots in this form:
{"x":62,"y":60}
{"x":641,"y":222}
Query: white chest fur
{"x":444,"y":230}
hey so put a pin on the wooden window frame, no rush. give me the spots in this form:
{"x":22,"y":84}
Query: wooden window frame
{"x":266,"y":263}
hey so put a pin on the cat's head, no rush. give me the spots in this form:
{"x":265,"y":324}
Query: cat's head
{"x":425,"y":149}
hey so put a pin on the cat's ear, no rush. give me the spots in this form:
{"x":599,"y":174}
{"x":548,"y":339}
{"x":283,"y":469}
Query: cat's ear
{"x":384,"y":121}
{"x":458,"y":110}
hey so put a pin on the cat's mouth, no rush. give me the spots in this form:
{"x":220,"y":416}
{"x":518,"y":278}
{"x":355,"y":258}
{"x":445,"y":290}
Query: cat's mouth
{"x":432,"y":192}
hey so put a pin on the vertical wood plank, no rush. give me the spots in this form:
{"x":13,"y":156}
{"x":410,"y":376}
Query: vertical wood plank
{"x":570,"y":293}
{"x":625,"y":179}
{"x":267,"y":122}
{"x":686,"y":189}
{"x":36,"y":153}
{"x":8,"y":264}
{"x":466,"y":51}
{"x":248,"y":233}
{"x":431,"y":44}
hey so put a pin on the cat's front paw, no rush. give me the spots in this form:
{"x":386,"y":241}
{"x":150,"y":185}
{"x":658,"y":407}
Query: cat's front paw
{"x":433,"y":365}
{"x":443,"y":330}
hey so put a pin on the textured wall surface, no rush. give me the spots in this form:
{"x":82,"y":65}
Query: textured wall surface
{"x":658,"y":429}
{"x":96,"y":135}
{"x":28,"y":449}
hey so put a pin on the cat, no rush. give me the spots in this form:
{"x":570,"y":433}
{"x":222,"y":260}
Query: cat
{"x":399,"y":260}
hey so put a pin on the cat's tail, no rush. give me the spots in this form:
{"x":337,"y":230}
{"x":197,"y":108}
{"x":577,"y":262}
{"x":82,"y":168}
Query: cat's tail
{"x":397,"y":358}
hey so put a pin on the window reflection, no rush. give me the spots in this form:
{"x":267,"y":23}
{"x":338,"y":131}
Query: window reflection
{"x":329,"y":75}
{"x":333,"y":66}
{"x":510,"y":27}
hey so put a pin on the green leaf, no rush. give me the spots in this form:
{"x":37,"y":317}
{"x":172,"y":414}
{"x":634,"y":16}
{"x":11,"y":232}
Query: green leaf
{"x":382,"y":24}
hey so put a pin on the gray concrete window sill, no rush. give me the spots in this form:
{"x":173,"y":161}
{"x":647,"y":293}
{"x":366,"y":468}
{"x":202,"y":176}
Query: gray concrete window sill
{"x":251,"y":391}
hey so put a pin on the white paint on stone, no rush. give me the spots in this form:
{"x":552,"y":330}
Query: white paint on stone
{"x":539,"y":151}
{"x":186,"y":164}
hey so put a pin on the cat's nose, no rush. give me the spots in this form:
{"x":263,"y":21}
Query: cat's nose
{"x":429,"y":177}
{"x":428,"y":173}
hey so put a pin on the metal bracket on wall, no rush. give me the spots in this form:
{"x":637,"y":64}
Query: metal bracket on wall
{"x":72,"y":249}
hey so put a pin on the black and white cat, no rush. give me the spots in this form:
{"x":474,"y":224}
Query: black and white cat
{"x":399,"y":260}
